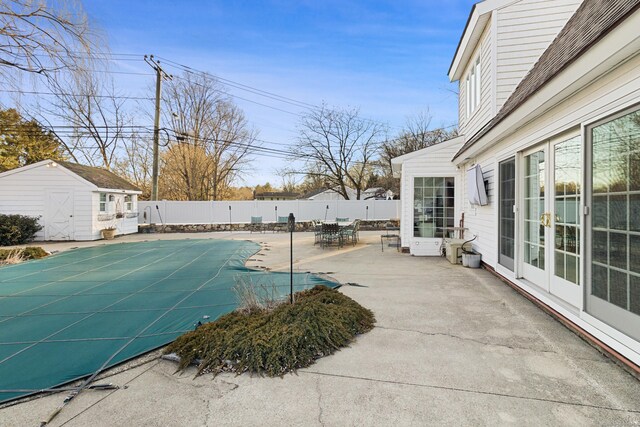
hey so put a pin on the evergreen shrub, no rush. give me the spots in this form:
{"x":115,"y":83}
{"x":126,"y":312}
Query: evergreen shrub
{"x":274,"y":342}
{"x":17,"y":229}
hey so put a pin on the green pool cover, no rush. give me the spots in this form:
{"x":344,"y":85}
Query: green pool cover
{"x":70,"y":315}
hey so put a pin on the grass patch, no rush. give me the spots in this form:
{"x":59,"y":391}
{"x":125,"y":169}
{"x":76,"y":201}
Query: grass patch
{"x":274,"y":342}
{"x":15,"y":256}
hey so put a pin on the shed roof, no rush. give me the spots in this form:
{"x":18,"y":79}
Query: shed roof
{"x":102,"y":178}
{"x":591,"y":22}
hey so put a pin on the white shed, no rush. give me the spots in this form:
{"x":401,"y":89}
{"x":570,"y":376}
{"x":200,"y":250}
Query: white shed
{"x":73,"y":202}
{"x":430,"y":194}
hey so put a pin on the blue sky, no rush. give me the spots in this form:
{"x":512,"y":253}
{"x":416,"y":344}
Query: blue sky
{"x":389,"y":58}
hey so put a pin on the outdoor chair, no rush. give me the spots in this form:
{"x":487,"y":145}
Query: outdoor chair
{"x":282,"y":224}
{"x":330,"y":234}
{"x":256,"y":224}
{"x":317,"y":231}
{"x":350,"y":232}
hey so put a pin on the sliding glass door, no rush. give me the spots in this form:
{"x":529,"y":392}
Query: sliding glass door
{"x":507,"y":219}
{"x":613,"y":232}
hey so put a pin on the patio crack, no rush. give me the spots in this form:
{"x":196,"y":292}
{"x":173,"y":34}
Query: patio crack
{"x":320,"y":408}
{"x":445,"y":334}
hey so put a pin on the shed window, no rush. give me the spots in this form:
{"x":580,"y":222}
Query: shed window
{"x":128,"y":203}
{"x":103,"y":202}
{"x":433,"y":206}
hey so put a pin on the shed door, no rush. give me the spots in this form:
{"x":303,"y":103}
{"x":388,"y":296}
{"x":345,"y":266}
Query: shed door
{"x":59,"y":215}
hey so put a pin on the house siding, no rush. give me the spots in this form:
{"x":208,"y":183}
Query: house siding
{"x":618,"y":88}
{"x":479,"y":220}
{"x":483,"y":112}
{"x":524,"y":30}
{"x":434,"y":162}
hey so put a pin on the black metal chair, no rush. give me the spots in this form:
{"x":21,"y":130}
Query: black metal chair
{"x":330,"y":234}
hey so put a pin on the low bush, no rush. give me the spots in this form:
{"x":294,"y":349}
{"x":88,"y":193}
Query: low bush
{"x":274,"y":342}
{"x":10,"y":256}
{"x":13,"y":256}
{"x":34,"y":252}
{"x":17,"y":229}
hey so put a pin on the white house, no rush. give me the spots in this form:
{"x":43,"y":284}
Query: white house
{"x":73,"y":202}
{"x":549,"y":107}
{"x":430,"y":205}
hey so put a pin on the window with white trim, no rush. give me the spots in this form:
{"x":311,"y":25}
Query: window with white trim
{"x":473,"y":83}
{"x":128,"y":203}
{"x":103,"y":202}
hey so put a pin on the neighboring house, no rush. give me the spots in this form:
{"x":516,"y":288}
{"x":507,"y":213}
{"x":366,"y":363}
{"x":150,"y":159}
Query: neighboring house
{"x":73,"y":202}
{"x":329,"y":194}
{"x":276,"y":195}
{"x":550,"y":110}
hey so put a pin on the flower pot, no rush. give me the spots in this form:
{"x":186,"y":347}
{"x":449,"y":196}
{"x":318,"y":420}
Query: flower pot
{"x":108,"y":233}
{"x":471,"y":259}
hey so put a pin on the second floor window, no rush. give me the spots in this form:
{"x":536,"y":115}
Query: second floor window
{"x":473,"y":83}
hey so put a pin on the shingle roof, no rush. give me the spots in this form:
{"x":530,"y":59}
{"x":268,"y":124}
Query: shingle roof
{"x":277,"y":193}
{"x":591,"y":21}
{"x":100,"y":177}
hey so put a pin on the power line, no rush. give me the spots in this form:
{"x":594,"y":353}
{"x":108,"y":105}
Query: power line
{"x":244,"y":86}
{"x":32,"y":92}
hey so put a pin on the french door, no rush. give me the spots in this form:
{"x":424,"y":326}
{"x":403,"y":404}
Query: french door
{"x":551,"y":176}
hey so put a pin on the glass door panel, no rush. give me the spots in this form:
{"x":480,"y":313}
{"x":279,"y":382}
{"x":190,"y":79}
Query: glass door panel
{"x":507,"y":220}
{"x":567,"y":172}
{"x":613,"y":228}
{"x":535,"y":218}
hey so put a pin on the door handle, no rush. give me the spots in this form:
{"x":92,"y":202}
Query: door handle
{"x":545,"y":219}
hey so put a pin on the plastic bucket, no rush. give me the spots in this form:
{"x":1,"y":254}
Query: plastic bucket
{"x":471,"y":260}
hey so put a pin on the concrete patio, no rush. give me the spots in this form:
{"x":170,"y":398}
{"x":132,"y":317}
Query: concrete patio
{"x":452,"y":346}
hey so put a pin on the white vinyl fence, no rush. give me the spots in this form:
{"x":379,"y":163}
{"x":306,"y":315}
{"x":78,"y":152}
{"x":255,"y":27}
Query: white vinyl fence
{"x":225,"y":212}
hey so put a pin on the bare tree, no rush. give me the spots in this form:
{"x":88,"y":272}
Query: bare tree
{"x":339,"y":146}
{"x":42,"y":37}
{"x":88,"y":103}
{"x":135,"y":162}
{"x":213,"y":139}
{"x":415,"y":135}
{"x":290,"y":179}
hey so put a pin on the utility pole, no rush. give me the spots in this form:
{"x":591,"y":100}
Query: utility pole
{"x":160,"y":74}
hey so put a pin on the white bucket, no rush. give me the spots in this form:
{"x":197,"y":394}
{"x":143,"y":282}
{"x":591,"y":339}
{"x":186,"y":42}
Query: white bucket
{"x":471,"y":260}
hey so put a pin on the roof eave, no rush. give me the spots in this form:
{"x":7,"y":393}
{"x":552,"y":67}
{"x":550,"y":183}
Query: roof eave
{"x":608,"y":53}
{"x":400,"y":159}
{"x":476,"y":23}
{"x":113,"y":190}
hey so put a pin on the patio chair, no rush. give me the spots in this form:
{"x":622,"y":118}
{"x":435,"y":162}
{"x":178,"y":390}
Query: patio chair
{"x":256,"y":224}
{"x":282,"y":224}
{"x":350,"y":232}
{"x":317,"y":231}
{"x":330,"y":234}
